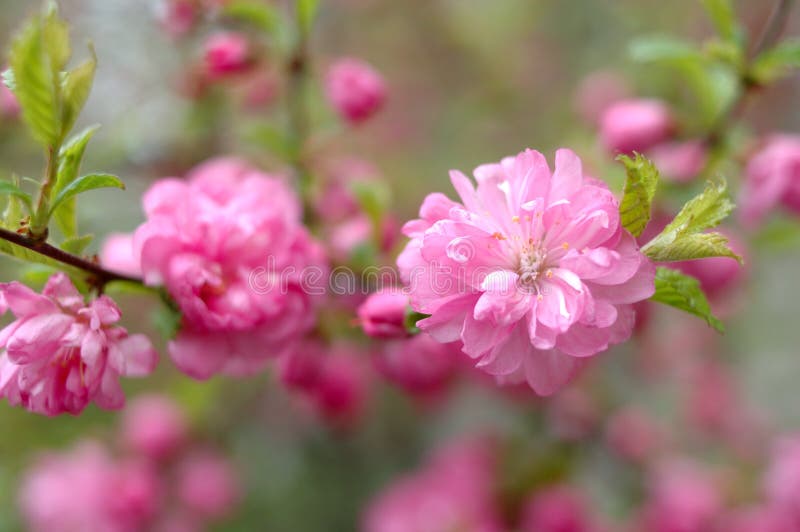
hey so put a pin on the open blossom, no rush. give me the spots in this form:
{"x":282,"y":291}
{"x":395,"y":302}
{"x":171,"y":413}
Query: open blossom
{"x":228,"y":244}
{"x":772,"y":179}
{"x":532,"y":272}
{"x":451,"y":492}
{"x":84,"y":489}
{"x":354,"y":89}
{"x":635,"y":125}
{"x":60,"y":353}
{"x":227,"y":53}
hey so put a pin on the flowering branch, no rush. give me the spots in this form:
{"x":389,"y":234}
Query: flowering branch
{"x":99,"y":276}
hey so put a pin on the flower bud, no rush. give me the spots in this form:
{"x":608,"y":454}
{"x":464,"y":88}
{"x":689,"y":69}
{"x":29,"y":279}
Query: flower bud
{"x":354,"y":89}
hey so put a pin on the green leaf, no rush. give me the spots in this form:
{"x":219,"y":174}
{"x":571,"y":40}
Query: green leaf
{"x":637,"y":196}
{"x":306,"y":12}
{"x":274,"y":140}
{"x":35,"y":86}
{"x":84,"y":184}
{"x":77,"y":245}
{"x":10,"y":189}
{"x":777,"y":62}
{"x":69,"y":165}
{"x":167,"y":321}
{"x":659,"y":48}
{"x":684,"y":239}
{"x":256,"y":12}
{"x":76,"y":85}
{"x":373,"y":198}
{"x":683,"y":292}
{"x":55,"y":35}
{"x":723,"y":17}
{"x":411,"y":319}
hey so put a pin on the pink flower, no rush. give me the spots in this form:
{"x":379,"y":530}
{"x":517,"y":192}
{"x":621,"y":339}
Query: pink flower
{"x":782,"y":478}
{"x":533,"y":272}
{"x":9,"y":106}
{"x":557,"y":509}
{"x":383,"y":314}
{"x":154,"y":426}
{"x":84,"y":489}
{"x":772,"y":179}
{"x":60,"y":353}
{"x":229,"y":246}
{"x":632,"y":434}
{"x":597,"y":91}
{"x":419,"y":365}
{"x":341,"y":392}
{"x":451,"y":492}
{"x":226,"y":53}
{"x":207,"y":485}
{"x":635,"y":125}
{"x":679,"y":161}
{"x":117,"y":254}
{"x":178,"y":17}
{"x":758,"y":519}
{"x":337,"y":199}
{"x":354,"y":89}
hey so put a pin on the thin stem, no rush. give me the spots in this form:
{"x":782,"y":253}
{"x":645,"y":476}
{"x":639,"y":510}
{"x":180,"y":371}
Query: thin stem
{"x":98,"y":276}
{"x":774,"y":26}
{"x":38,"y":226}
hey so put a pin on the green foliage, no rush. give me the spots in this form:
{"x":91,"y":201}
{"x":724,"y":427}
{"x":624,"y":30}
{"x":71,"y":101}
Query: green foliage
{"x":723,"y":17}
{"x":777,"y":62}
{"x":77,"y":83}
{"x":69,"y":164}
{"x":373,"y":198}
{"x":274,"y":140}
{"x":257,"y":13}
{"x":658,"y":48}
{"x":85,"y":183}
{"x":167,"y":320}
{"x":77,"y":245}
{"x":306,"y":12}
{"x":684,"y":238}
{"x":10,"y":189}
{"x":411,"y":319}
{"x":683,"y":292}
{"x":637,"y":196}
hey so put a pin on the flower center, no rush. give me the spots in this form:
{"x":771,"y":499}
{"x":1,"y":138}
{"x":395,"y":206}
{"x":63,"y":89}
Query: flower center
{"x":531,"y":264}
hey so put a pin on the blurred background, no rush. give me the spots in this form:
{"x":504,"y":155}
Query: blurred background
{"x":469,"y":82}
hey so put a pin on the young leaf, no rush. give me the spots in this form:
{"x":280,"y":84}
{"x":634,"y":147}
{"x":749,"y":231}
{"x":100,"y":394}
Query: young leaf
{"x":34,"y":83}
{"x":637,"y":196}
{"x":683,"y":292}
{"x":661,"y":48}
{"x":55,"y":35}
{"x":684,"y":239}
{"x":255,"y":12}
{"x":723,"y":17}
{"x":85,"y":183}
{"x":411,"y":319}
{"x":306,"y":11}
{"x":69,"y":164}
{"x":777,"y":62}
{"x":76,"y":85}
{"x":10,"y":189}
{"x":77,"y":245}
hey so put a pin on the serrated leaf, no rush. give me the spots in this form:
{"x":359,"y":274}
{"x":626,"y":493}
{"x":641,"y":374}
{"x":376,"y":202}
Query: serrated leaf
{"x":306,"y":12}
{"x":34,"y":83}
{"x":777,"y":62}
{"x":77,"y":245}
{"x":655,"y":48}
{"x":10,"y":189}
{"x":723,"y":17}
{"x":76,"y":85}
{"x":84,"y":184}
{"x":637,"y":196}
{"x":13,"y":213}
{"x":260,"y":14}
{"x":55,"y":36}
{"x":684,"y":235}
{"x":683,"y":292}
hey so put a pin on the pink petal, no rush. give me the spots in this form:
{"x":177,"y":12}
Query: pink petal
{"x":37,"y":337}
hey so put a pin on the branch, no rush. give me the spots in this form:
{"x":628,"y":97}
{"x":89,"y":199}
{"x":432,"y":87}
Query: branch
{"x":98,"y":275}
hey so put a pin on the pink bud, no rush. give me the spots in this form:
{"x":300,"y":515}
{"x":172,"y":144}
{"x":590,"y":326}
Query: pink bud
{"x":9,"y":106}
{"x":679,"y":161}
{"x":342,"y":391}
{"x":117,"y":254}
{"x":772,"y":179}
{"x":154,"y":426}
{"x":383,"y":314}
{"x":557,"y":509}
{"x":635,"y":125}
{"x":177,"y":17}
{"x":207,"y":485}
{"x":420,"y":364}
{"x":597,"y":91}
{"x":301,"y":366}
{"x":226,"y":53}
{"x":354,"y":89}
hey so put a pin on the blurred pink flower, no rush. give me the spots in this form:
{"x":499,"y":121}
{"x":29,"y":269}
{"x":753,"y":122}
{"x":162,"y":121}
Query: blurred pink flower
{"x":782,"y":477}
{"x":772,"y":179}
{"x":207,"y":485}
{"x":420,"y":364}
{"x":227,"y":53}
{"x":60,"y":353}
{"x":450,"y":492}
{"x":679,"y":161}
{"x":337,"y":199}
{"x":154,"y":426}
{"x":383,"y":314}
{"x":597,"y":91}
{"x":633,"y":434}
{"x":635,"y":125}
{"x":83,"y":489}
{"x":341,"y":393}
{"x":178,"y":17}
{"x":9,"y":106}
{"x":557,"y":509}
{"x":230,"y":248}
{"x":533,"y":272}
{"x":117,"y":254}
{"x":682,"y":498}
{"x":354,"y":89}
{"x":758,"y":519}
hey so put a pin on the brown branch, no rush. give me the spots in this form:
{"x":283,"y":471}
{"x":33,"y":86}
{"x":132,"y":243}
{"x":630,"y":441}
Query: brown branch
{"x":98,"y":275}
